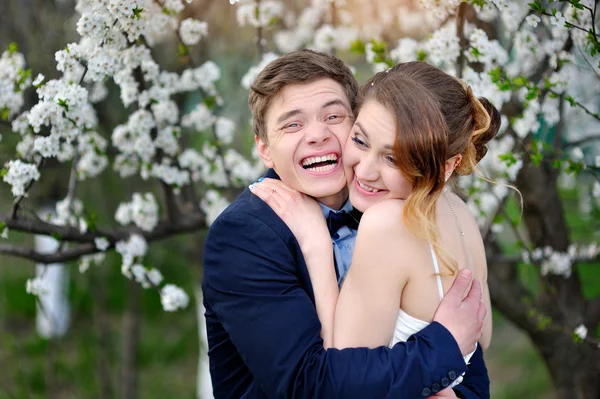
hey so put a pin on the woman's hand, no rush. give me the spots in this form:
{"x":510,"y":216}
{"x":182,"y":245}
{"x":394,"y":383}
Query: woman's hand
{"x":299,"y":212}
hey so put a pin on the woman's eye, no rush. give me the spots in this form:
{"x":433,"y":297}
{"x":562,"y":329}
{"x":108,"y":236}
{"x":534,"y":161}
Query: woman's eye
{"x":358,"y":141}
{"x":390,"y":159}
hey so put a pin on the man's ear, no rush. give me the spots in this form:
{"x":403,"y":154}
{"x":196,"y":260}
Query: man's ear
{"x":264,"y":152}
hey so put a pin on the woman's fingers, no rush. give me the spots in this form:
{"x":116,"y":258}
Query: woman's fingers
{"x":265,"y":193}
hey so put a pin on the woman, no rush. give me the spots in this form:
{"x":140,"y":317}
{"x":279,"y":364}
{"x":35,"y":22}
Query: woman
{"x":416,"y":128}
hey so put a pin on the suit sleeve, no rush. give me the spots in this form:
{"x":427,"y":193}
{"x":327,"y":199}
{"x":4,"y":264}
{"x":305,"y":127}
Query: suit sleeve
{"x":251,"y":282}
{"x":476,"y":383}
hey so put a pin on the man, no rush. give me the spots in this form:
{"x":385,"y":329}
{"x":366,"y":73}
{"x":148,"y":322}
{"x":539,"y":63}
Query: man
{"x":263,"y":330}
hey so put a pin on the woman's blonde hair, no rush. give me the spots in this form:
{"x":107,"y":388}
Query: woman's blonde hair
{"x":437,"y":117}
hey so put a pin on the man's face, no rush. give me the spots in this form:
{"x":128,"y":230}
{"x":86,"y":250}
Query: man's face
{"x":307,"y":127}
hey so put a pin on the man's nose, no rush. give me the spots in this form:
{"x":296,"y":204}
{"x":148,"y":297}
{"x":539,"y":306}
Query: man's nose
{"x":317,"y":133}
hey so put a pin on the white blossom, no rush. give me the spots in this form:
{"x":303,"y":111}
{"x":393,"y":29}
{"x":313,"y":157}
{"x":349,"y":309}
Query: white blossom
{"x":213,"y":204}
{"x":102,"y":243}
{"x":173,"y":298}
{"x":19,"y":175}
{"x":558,"y":20}
{"x":201,"y":118}
{"x":36,"y":286}
{"x":192,"y":30}
{"x":557,"y":263}
{"x":253,"y":72}
{"x":581,"y":331}
{"x":533,"y":20}
{"x":87,"y":260}
{"x":131,"y":249}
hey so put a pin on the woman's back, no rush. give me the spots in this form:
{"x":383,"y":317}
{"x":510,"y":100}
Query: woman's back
{"x":416,"y":260}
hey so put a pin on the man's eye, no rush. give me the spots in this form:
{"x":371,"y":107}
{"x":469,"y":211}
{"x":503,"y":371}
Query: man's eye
{"x":292,"y":127}
{"x":336,"y":118}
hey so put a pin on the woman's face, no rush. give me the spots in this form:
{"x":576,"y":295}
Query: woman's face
{"x":369,"y":159}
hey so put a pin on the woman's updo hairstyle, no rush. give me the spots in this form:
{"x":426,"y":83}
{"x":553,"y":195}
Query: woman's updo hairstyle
{"x":437,"y":117}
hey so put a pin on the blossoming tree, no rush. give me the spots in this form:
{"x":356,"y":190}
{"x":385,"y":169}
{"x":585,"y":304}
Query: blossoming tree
{"x":539,"y":63}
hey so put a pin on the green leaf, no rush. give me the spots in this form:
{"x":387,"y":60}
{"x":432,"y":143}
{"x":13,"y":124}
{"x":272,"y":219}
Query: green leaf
{"x":137,"y":12}
{"x":520,"y":81}
{"x":13,"y":48}
{"x":2,"y":227}
{"x":378,"y":47}
{"x":182,"y":50}
{"x":24,"y":74}
{"x":508,"y":158}
{"x":421,"y":55}
{"x":571,"y":101}
{"x":358,"y":46}
{"x":475,"y":52}
{"x":536,"y":6}
{"x":557,"y":164}
{"x":56,"y":236}
{"x":3,"y":172}
{"x":479,"y":3}
{"x":63,"y":103}
{"x":495,"y":75}
{"x":210,"y":102}
{"x":532,"y":93}
{"x":4,"y":114}
{"x":536,"y":158}
{"x":574,"y":167}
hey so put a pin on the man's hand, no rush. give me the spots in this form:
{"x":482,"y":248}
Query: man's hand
{"x":462,"y":311}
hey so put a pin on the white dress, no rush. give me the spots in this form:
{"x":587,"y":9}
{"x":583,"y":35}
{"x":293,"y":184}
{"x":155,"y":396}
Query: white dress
{"x":406,"y":325}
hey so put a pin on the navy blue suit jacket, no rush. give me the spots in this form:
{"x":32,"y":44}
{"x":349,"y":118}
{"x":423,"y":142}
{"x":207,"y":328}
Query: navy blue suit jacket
{"x":263,"y":329}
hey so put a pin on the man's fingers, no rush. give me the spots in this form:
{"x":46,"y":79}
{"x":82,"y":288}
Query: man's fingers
{"x":475,"y":293}
{"x":460,"y":286}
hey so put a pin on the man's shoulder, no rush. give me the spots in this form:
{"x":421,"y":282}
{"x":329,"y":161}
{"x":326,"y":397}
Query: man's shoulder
{"x":249,"y":213}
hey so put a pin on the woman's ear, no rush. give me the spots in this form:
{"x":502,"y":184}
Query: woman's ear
{"x":451,"y":164}
{"x":264,"y":152}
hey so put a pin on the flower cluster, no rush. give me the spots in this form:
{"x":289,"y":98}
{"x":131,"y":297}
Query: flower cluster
{"x":173,"y":298}
{"x":19,"y":175}
{"x":142,"y":211}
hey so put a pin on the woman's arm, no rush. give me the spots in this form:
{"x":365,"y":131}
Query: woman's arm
{"x":368,"y":305}
{"x":304,"y":217}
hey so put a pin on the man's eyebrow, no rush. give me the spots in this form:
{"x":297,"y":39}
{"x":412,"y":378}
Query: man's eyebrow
{"x":337,"y":101}
{"x":289,"y":114}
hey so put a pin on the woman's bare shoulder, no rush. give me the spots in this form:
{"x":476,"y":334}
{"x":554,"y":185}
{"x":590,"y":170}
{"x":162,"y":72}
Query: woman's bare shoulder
{"x":384,"y":216}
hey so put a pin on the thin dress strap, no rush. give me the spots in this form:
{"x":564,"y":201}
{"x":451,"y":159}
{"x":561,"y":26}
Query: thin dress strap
{"x":437,"y":272}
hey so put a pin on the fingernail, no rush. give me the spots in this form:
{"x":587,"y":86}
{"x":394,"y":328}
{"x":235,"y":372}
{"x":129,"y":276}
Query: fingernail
{"x":251,"y":186}
{"x":261,"y":178}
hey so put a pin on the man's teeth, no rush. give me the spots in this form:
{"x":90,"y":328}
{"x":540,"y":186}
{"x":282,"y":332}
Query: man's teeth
{"x":325,"y":162}
{"x":324,"y":158}
{"x":367,"y":188}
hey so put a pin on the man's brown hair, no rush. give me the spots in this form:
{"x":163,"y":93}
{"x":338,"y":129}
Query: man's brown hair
{"x":302,"y":66}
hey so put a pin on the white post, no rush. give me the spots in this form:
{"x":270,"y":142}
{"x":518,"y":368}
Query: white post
{"x":204,"y":388}
{"x":54,"y":317}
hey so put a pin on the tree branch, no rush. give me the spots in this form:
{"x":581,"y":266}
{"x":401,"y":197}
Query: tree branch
{"x":165,"y":228}
{"x":51,"y":258}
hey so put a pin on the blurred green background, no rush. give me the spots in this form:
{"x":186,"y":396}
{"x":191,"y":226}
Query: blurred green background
{"x":88,"y":361}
